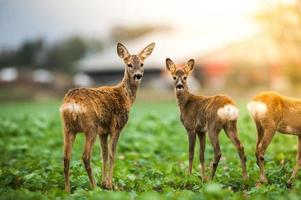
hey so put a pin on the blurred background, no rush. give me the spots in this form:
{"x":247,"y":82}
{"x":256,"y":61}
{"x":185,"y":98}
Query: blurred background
{"x":240,"y":47}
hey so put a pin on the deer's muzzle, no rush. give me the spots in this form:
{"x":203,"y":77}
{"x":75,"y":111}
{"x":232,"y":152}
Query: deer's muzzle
{"x":137,"y":77}
{"x":179,"y":87}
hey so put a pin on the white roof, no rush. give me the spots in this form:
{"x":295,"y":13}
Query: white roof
{"x":180,"y":46}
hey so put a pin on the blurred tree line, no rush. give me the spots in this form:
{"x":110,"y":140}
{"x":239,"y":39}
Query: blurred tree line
{"x":60,"y":56}
{"x":282,"y":21}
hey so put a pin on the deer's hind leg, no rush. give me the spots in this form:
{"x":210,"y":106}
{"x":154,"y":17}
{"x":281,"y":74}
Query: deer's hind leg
{"x":259,"y":133}
{"x":105,"y":154}
{"x":90,"y":139}
{"x":231,"y":131}
{"x":69,"y":138}
{"x":298,"y":162}
{"x":213,"y":136}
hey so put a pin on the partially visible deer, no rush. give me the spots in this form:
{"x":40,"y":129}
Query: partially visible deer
{"x":103,"y":112}
{"x":273,"y":112}
{"x":201,"y":114}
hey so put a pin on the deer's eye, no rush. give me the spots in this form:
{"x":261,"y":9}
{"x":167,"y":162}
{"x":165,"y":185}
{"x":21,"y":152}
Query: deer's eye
{"x":141,"y":65}
{"x":174,"y":78}
{"x":185,"y":77}
{"x":129,"y":65}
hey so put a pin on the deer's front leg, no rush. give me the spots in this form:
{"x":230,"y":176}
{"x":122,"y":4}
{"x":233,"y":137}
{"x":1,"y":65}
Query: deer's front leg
{"x":105,"y":154}
{"x":260,"y":150}
{"x":231,"y":132}
{"x":191,"y":138}
{"x":202,"y":140}
{"x":112,"y":151}
{"x":213,"y":136}
{"x":298,"y":162}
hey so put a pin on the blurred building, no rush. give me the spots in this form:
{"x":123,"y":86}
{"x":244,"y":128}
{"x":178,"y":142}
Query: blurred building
{"x":255,"y":60}
{"x":107,"y":68}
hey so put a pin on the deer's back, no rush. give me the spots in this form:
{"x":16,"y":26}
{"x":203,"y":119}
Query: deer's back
{"x":202,"y":111}
{"x":275,"y":110}
{"x":99,"y":108}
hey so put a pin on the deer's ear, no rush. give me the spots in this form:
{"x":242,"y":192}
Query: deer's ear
{"x":122,"y":51}
{"x":147,"y":51}
{"x":189,"y":66}
{"x":170,"y":66}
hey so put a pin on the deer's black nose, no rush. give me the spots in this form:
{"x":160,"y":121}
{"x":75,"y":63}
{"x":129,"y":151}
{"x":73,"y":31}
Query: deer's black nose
{"x":179,"y":87}
{"x":138,"y":76}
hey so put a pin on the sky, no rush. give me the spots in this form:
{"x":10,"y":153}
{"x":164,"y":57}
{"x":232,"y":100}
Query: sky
{"x":57,"y":19}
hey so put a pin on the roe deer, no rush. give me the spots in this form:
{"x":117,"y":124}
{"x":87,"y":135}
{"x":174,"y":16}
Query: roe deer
{"x":273,"y":112}
{"x":201,"y":114}
{"x":101,"y":111}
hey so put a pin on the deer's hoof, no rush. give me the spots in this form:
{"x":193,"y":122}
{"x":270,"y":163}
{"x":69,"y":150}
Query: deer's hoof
{"x":204,"y":178}
{"x":263,"y":179}
{"x":245,"y":177}
{"x":107,"y":185}
{"x":67,"y":189}
{"x":289,"y":183}
{"x":261,"y":182}
{"x":258,"y":184}
{"x":93,"y":186}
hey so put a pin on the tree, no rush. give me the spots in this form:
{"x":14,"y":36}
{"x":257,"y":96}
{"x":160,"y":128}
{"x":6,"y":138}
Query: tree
{"x":27,"y":54}
{"x":62,"y":56}
{"x":8,"y":58}
{"x":282,"y":21}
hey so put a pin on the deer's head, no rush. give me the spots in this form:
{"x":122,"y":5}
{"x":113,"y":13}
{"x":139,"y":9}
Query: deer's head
{"x":180,"y":74}
{"x":134,"y":63}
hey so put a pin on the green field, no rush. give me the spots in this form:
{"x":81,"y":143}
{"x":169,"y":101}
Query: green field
{"x":152,"y":159}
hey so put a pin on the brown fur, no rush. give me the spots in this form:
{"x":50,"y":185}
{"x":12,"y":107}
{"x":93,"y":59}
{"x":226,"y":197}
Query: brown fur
{"x":101,"y":111}
{"x":199,"y":114}
{"x":282,"y":114}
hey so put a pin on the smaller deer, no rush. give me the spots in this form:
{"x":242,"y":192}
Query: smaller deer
{"x":201,"y":114}
{"x":103,"y":112}
{"x":273,"y":112}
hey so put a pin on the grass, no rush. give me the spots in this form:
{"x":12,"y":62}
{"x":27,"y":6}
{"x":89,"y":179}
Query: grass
{"x":152,"y":159}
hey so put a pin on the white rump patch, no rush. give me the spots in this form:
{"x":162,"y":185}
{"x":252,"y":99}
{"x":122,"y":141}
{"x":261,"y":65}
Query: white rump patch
{"x":289,"y":129}
{"x":228,"y":112}
{"x":73,"y":108}
{"x":257,"y":108}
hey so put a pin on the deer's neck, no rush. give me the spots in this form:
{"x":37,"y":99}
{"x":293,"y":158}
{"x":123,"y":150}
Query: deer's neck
{"x":130,"y":87}
{"x":182,"y":98}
